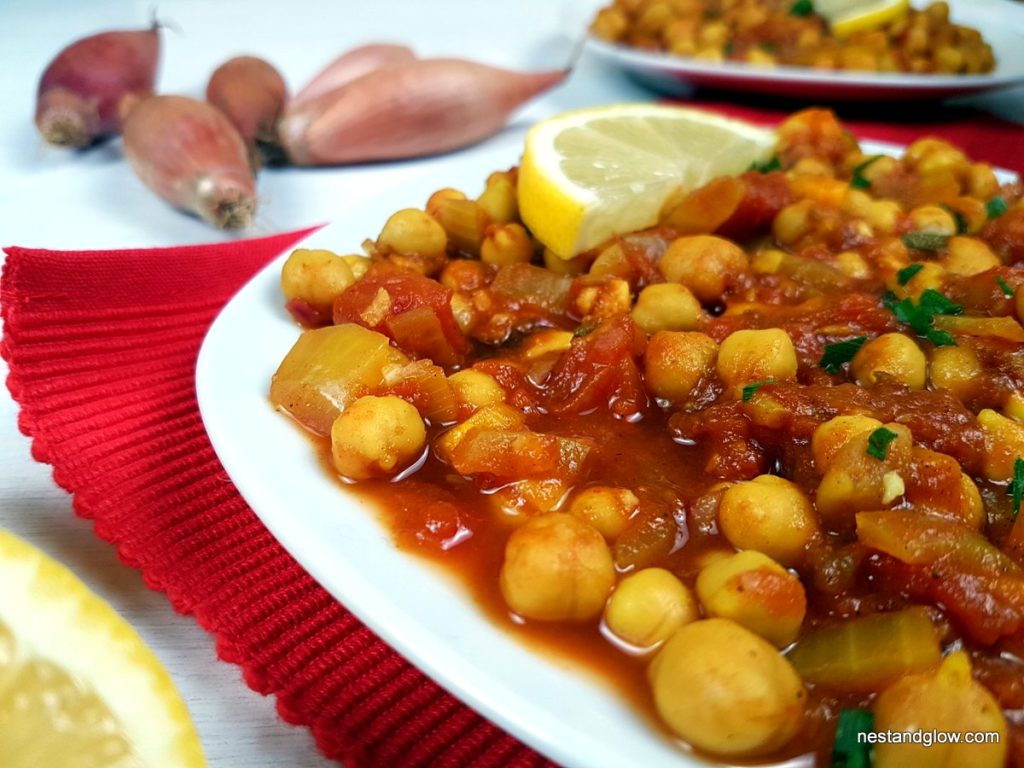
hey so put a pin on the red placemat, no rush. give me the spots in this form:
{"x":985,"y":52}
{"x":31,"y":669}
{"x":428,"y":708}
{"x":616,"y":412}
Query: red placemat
{"x":102,"y":348}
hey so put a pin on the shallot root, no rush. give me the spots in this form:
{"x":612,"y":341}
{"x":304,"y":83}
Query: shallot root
{"x":189,"y":154}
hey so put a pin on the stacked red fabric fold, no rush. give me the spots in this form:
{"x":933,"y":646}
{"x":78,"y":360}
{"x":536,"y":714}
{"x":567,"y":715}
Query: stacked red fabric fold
{"x":102,"y":348}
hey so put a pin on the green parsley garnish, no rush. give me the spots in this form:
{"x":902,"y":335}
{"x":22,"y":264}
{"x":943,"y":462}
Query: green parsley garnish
{"x":878,"y":443}
{"x":921,"y":315}
{"x":582,"y":331}
{"x":925,"y":241}
{"x":906,"y":274}
{"x":772,"y":164}
{"x":840,"y":352}
{"x":961,"y":222}
{"x":801,"y":8}
{"x":1016,"y":487}
{"x":750,"y":389}
{"x":1004,"y":287}
{"x":857,"y":179}
{"x":847,"y":750}
{"x":995,"y":207}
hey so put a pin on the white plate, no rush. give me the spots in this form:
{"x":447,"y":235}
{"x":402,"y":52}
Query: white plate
{"x":1001,"y":22}
{"x":555,"y":707}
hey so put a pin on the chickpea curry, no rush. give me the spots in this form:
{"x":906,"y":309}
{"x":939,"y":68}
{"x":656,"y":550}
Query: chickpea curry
{"x":789,"y":32}
{"x":761,"y":464}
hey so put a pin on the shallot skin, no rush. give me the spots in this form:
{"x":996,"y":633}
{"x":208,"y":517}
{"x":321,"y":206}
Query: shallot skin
{"x":423,"y":107}
{"x":87,"y":89}
{"x":352,"y":65}
{"x":189,"y":154}
{"x":251,"y":93}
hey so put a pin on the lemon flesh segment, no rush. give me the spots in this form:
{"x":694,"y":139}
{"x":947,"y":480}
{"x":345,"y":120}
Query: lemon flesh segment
{"x":589,"y":175}
{"x":845,"y":17}
{"x":78,"y":687}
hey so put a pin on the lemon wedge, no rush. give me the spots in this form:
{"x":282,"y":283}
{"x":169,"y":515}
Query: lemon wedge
{"x":846,"y":17}
{"x":78,"y":687}
{"x":594,"y":173}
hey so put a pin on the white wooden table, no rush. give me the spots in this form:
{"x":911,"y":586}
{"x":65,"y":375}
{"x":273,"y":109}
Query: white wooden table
{"x":56,"y":199}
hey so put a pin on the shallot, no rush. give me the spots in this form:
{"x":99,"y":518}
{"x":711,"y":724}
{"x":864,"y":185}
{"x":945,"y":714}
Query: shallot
{"x":251,"y":94}
{"x":351,"y":66}
{"x":188,"y":152}
{"x":86,"y":91}
{"x":418,"y":108}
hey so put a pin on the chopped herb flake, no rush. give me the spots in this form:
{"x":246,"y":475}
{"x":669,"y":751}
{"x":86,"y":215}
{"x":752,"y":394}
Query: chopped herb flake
{"x":849,"y":751}
{"x":921,"y":315}
{"x":878,"y":443}
{"x":750,"y":389}
{"x":906,"y":274}
{"x":925,"y":241}
{"x":858,"y":180}
{"x":841,"y":352}
{"x":582,"y":331}
{"x":940,"y":338}
{"x":1004,"y":287}
{"x":727,"y":49}
{"x":995,"y":207}
{"x":772,"y":164}
{"x":1016,"y":487}
{"x":801,"y":8}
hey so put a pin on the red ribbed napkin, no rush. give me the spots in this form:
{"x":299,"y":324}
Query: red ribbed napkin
{"x":102,"y":348}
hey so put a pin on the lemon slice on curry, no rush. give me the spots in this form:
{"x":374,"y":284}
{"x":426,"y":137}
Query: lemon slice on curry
{"x":78,"y":687}
{"x":846,"y":17}
{"x":594,"y":173}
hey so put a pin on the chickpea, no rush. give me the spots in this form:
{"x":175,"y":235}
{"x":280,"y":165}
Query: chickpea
{"x":676,"y":362}
{"x":883,"y":216}
{"x":506,"y":244}
{"x":413,"y":231}
{"x":768,"y":514}
{"x":607,"y":509}
{"x":830,"y":437}
{"x":930,"y":155}
{"x":376,"y":437}
{"x":956,"y":369}
{"x":891,"y":357}
{"x":725,"y":690}
{"x":666,"y":307}
{"x":932,"y":220}
{"x":793,"y":221}
{"x":557,"y":568}
{"x":969,"y":256}
{"x":944,"y":699}
{"x":1014,"y":407}
{"x":315,"y":277}
{"x":476,"y":388}
{"x":931,"y":275}
{"x":436,"y":200}
{"x":1004,"y":442}
{"x":982,"y":182}
{"x":648,"y":606}
{"x":358,"y":263}
{"x":707,"y":265}
{"x":757,"y":355}
{"x":857,"y":481}
{"x":498,"y":199}
{"x":756,"y":592}
{"x":852,"y":264}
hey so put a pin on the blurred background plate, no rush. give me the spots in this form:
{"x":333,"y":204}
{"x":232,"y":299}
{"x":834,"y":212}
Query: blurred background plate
{"x":1001,"y":22}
